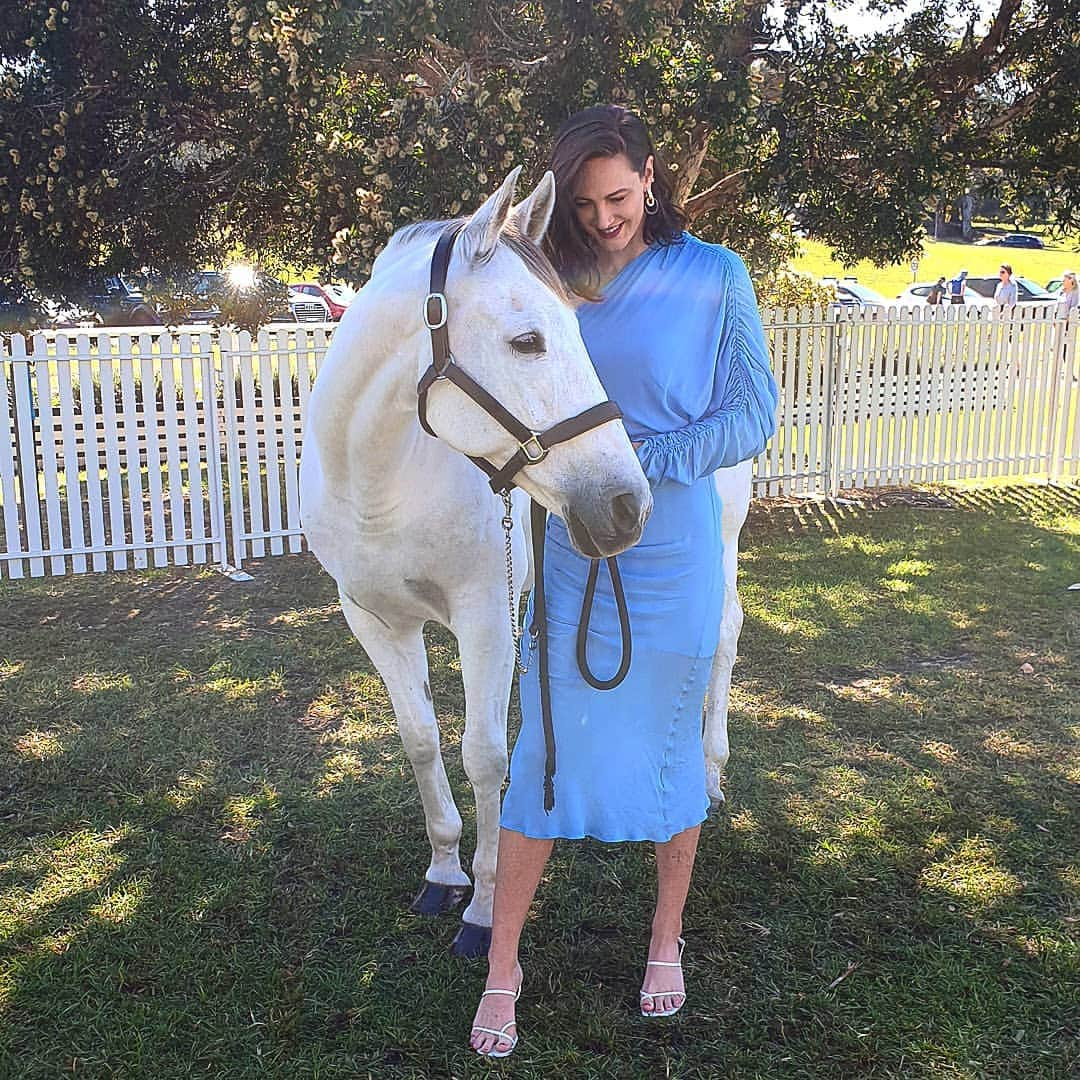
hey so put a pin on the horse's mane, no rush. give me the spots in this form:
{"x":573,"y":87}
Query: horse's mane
{"x":538,"y":264}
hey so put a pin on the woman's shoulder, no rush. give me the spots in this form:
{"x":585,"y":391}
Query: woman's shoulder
{"x":706,"y":256}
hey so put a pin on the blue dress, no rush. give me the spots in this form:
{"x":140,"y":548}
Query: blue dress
{"x":677,"y":342}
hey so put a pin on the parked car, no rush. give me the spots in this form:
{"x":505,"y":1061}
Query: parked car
{"x":916,"y":294}
{"x":308,"y":306}
{"x":113,"y":300}
{"x":1015,"y":240}
{"x":850,"y":294}
{"x":334,"y":296}
{"x":1027,"y":291}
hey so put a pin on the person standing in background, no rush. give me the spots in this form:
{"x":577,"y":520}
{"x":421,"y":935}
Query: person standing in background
{"x":957,"y":288}
{"x":1070,"y":294}
{"x":1005,"y":295}
{"x":937,"y":292}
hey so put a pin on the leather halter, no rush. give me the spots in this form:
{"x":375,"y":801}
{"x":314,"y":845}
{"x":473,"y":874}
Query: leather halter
{"x":533,"y":447}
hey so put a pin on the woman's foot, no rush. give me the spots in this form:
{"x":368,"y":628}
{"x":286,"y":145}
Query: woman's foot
{"x":663,"y":992}
{"x":494,"y":1030}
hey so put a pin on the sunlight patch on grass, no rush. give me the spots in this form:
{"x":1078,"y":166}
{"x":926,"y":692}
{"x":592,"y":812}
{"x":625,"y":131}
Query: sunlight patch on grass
{"x":234,"y":688}
{"x":340,"y":768}
{"x":121,"y":902}
{"x":186,"y":790}
{"x":910,"y":568}
{"x":244,"y":814}
{"x":39,"y":745}
{"x":866,"y":690}
{"x":972,"y":873}
{"x":784,"y":623}
{"x":63,"y":868}
{"x":299,"y":618}
{"x":94,"y":682}
{"x":1005,"y":744}
{"x":10,"y":668}
{"x":940,"y":751}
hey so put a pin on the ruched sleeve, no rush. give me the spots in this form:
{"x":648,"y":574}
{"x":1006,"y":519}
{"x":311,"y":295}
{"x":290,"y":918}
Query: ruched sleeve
{"x":742,"y":413}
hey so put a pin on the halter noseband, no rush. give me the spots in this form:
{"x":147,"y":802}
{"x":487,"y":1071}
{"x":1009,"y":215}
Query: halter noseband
{"x":533,"y":447}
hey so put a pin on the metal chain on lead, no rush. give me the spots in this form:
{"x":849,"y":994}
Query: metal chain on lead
{"x":515,"y":626}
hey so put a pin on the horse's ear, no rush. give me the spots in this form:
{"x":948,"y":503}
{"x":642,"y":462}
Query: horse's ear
{"x":481,"y":233}
{"x":533,"y":214}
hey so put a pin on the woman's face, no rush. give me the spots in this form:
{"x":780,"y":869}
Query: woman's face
{"x":609,"y":200}
{"x":1069,"y":283}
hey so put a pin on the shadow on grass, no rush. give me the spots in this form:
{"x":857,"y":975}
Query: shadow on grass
{"x":210,"y":832}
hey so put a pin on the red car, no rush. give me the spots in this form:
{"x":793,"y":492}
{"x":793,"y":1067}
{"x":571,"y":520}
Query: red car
{"x":337,"y":297}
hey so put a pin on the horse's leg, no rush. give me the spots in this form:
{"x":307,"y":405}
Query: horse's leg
{"x":733,"y":486}
{"x":487,"y":670}
{"x":401,"y":659}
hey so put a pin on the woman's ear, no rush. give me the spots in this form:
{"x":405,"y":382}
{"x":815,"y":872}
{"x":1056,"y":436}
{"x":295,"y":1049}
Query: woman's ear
{"x":648,"y":172}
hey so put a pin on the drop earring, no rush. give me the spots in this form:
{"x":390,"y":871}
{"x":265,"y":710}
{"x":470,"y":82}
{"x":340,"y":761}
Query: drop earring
{"x":651,"y":205}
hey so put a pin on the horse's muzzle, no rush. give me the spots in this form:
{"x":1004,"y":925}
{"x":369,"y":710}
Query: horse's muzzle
{"x":600,"y":527}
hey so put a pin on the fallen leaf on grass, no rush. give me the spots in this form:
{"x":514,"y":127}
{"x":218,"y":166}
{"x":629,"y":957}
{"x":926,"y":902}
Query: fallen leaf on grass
{"x":1027,"y":669}
{"x":840,"y":978}
{"x":1042,"y":828}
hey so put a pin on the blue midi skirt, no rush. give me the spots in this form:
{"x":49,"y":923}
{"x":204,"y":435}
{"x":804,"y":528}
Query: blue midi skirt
{"x":629,"y":761}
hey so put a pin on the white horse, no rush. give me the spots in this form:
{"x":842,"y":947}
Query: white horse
{"x":409,"y":529}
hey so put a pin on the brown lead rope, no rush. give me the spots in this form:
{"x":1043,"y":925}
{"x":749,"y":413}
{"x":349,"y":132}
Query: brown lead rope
{"x":538,"y":630}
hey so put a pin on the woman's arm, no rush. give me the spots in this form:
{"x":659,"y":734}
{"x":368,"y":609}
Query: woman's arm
{"x":742,"y":414}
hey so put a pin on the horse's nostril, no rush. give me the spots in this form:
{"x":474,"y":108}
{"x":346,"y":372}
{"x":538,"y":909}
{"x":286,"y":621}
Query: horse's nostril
{"x":625,"y":512}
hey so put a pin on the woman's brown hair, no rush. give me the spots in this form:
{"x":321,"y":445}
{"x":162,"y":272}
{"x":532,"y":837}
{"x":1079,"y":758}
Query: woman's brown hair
{"x":603,"y":131}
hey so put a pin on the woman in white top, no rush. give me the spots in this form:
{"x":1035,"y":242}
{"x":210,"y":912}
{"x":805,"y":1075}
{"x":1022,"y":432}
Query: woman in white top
{"x":1070,"y":294}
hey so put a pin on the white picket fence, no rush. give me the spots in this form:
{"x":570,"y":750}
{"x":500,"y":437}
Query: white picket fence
{"x":135,"y":448}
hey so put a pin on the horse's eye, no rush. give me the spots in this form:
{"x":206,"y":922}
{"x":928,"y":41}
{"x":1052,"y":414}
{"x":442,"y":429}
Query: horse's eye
{"x":528,"y":344}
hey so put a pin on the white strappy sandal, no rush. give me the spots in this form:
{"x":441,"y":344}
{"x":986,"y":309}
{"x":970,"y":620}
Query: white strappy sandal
{"x":647,"y":997}
{"x":502,"y":1035}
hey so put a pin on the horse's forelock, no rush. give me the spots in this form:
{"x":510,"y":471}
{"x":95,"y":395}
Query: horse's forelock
{"x":537,"y":263}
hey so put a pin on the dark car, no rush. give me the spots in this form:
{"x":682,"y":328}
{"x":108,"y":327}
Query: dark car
{"x":1027,"y":291}
{"x":1018,"y":240}
{"x":114,"y":300}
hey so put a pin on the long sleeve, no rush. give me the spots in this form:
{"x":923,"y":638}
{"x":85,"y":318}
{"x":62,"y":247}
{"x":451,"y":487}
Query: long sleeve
{"x":742,"y":413}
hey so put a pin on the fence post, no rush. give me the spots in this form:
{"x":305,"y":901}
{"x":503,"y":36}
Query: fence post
{"x":232,"y":451}
{"x":1057,"y":376}
{"x":213,"y":383}
{"x":832,"y":383}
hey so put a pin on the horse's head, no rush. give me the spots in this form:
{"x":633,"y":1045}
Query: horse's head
{"x":513,"y":330}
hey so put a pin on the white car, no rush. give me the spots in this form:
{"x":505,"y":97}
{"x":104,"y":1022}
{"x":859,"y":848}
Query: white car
{"x":307,"y":308}
{"x":915,"y":296}
{"x":850,"y":294}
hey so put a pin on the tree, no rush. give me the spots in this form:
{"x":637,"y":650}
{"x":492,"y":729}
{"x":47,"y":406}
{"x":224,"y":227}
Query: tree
{"x":167,"y":132}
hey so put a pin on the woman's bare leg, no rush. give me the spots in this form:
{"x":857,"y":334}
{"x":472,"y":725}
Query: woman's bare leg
{"x":674,"y":866}
{"x":517,"y":874}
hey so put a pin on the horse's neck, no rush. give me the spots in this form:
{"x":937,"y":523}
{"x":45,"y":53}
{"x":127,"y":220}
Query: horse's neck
{"x":365,"y":399}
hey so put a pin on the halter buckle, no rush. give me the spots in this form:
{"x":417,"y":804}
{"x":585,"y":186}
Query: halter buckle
{"x":532,"y":458}
{"x":439,"y":321}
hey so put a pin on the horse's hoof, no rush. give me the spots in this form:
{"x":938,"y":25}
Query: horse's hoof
{"x":436,"y":899}
{"x":472,"y":941}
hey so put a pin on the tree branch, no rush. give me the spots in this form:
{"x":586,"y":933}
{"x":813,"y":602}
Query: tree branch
{"x":726,"y":190}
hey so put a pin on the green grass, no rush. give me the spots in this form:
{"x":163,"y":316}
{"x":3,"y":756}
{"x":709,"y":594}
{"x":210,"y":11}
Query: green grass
{"x":948,"y":258}
{"x":209,"y":834}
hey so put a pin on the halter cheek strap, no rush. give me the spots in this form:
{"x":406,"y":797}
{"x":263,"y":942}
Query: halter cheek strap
{"x":533,"y":447}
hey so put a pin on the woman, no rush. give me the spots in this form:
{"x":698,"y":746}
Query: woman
{"x":1070,"y":294}
{"x":672,"y":327}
